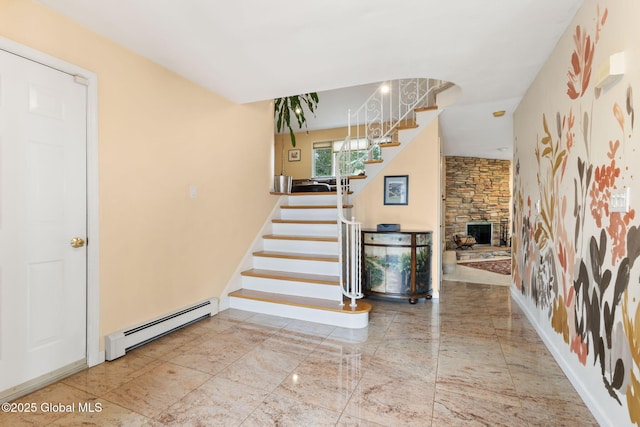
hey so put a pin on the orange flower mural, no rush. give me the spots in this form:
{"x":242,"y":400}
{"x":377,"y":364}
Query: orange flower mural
{"x":581,"y":62}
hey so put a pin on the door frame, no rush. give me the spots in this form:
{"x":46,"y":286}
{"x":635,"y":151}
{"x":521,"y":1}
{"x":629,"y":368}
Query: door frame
{"x":93,"y":354}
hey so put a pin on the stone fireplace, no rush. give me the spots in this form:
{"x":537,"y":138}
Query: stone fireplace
{"x":477,"y":191}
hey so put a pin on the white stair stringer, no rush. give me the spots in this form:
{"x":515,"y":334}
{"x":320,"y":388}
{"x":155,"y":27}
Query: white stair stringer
{"x":297,"y":272}
{"x":405,"y":137}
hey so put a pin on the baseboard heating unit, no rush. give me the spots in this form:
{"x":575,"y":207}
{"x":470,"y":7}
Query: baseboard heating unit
{"x":118,"y":343}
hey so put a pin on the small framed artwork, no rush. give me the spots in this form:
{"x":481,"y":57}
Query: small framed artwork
{"x":396,"y":190}
{"x":294,"y":155}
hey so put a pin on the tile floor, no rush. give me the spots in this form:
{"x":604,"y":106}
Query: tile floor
{"x":470,"y":359}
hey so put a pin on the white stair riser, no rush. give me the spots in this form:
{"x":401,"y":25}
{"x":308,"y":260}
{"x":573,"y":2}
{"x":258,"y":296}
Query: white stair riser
{"x":289,"y":287}
{"x":326,"y":230}
{"x":301,"y":246}
{"x":327,"y":268}
{"x":315,"y":200}
{"x":350,"y":321}
{"x":325,"y":213}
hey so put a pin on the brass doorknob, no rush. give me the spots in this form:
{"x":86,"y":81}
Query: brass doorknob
{"x":77,"y":242}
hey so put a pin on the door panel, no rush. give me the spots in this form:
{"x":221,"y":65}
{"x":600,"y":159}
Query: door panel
{"x":42,"y":207}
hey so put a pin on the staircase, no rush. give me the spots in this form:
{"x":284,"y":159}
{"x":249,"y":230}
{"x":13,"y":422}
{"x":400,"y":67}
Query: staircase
{"x":311,"y":261}
{"x":297,"y":273}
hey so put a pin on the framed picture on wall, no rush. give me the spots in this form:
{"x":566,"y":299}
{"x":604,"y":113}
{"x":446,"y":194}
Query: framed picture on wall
{"x":396,"y":190}
{"x":294,"y":155}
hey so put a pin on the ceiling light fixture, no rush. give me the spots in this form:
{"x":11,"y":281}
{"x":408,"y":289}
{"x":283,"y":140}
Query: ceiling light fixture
{"x":499,"y":113}
{"x":384,"y":88}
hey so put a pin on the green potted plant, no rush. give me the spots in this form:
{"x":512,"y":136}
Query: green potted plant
{"x":285,"y":109}
{"x":289,"y":106}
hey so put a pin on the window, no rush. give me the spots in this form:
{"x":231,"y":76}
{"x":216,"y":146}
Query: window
{"x":325,"y":156}
{"x":322,"y":159}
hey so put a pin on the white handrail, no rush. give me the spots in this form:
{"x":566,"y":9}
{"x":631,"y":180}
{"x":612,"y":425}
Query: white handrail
{"x":377,"y":119}
{"x":349,"y":247}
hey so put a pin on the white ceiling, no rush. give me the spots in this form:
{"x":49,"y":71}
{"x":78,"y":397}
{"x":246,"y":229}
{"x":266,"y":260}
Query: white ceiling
{"x":252,"y":50}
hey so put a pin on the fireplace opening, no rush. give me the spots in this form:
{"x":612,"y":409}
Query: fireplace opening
{"x":481,"y":231}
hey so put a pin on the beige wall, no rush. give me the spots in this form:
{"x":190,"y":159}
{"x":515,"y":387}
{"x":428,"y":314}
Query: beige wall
{"x":159,"y":134}
{"x":420,"y":160}
{"x":577,"y":263}
{"x":304,"y":142}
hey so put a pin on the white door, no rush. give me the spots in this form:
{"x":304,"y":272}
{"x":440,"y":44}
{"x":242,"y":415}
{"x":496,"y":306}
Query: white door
{"x":42,"y":208}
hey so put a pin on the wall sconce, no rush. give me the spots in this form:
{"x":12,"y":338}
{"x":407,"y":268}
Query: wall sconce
{"x":610,"y":71}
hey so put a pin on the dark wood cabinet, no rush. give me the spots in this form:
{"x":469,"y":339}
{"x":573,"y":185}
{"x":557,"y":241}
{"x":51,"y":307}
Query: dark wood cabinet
{"x":397,"y":264}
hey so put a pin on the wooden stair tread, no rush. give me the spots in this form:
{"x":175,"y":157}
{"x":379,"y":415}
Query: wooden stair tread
{"x":297,"y":277}
{"x":368,"y":162}
{"x":407,"y":126}
{"x":389,"y":144}
{"x":357,"y":177}
{"x":299,"y":256}
{"x":315,"y":303}
{"x":420,"y":109}
{"x":313,"y":206}
{"x":297,"y":237}
{"x":305,"y":221}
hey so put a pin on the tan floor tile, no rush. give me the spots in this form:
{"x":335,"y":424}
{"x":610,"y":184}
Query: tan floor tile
{"x":45,"y":406}
{"x":157,"y":389}
{"x":384,"y":400}
{"x":456,"y":409}
{"x":543,"y":412}
{"x":326,"y":378}
{"x":349,"y":421}
{"x":277,"y":410}
{"x":107,"y":376}
{"x":262,"y":368}
{"x":476,"y":378}
{"x":217,"y":402}
{"x":104,"y":413}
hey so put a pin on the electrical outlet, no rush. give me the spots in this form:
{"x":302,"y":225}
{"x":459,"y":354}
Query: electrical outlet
{"x":620,"y":201}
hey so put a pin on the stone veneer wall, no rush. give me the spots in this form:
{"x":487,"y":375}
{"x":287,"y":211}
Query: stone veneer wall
{"x":476,"y":189}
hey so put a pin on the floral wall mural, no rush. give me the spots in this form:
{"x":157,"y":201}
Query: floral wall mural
{"x":576,"y":260}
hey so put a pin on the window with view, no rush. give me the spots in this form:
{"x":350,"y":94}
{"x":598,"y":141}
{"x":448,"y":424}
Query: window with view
{"x":325,"y":156}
